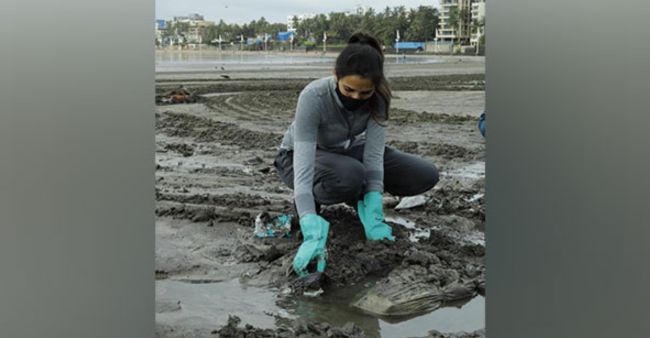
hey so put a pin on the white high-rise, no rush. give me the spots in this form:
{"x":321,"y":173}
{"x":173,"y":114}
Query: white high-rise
{"x":478,"y":15}
{"x":462,"y":31}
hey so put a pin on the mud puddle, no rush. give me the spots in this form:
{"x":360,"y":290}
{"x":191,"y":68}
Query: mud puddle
{"x":335,"y":308}
{"x":201,"y":308}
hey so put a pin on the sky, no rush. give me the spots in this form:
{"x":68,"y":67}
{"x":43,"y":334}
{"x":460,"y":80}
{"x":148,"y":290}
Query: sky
{"x":275,"y":11}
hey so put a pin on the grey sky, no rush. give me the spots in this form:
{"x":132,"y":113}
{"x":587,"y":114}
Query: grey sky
{"x":243,"y":11}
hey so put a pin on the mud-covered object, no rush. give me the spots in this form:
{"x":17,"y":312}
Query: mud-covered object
{"x":267,"y":226}
{"x":312,"y":282}
{"x":408,"y":296}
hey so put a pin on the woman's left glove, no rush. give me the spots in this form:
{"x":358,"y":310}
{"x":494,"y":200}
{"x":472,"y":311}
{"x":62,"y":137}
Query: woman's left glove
{"x":372,"y":217}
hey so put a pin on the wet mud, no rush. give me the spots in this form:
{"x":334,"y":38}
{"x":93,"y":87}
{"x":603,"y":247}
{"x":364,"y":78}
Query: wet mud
{"x":235,"y":329}
{"x":214,"y":174}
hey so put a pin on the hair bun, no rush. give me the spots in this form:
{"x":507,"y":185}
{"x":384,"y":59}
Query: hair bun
{"x":364,"y":38}
{"x":360,"y":38}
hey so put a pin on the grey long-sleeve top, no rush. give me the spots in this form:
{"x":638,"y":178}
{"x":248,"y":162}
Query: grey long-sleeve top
{"x":322,"y":122}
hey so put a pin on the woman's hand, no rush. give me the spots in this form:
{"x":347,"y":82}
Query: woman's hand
{"x":372,"y":217}
{"x":314,"y":231}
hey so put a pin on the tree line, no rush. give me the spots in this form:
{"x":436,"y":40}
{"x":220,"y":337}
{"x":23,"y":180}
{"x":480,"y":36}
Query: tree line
{"x":418,"y":24}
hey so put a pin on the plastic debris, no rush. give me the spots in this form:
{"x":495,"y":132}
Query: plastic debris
{"x":267,"y":226}
{"x":411,"y":202}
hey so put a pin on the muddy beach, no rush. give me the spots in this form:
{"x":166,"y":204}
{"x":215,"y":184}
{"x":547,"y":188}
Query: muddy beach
{"x":215,"y":174}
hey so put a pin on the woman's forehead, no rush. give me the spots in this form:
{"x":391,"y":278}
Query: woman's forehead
{"x":357,"y":82}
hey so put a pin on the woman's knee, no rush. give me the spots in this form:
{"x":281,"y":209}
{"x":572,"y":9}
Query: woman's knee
{"x":342,"y":186}
{"x":415,"y":178}
{"x":430,"y":176}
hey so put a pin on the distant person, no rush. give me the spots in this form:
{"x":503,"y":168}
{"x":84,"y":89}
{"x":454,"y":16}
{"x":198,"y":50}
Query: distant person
{"x":481,"y":124}
{"x":334,"y":151}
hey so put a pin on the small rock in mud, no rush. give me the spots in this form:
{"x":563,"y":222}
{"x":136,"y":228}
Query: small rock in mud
{"x":184,"y":149}
{"x":254,"y":161}
{"x":203,"y":215}
{"x":420,"y":257}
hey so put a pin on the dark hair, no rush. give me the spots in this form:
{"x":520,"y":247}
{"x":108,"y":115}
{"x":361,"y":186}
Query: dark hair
{"x":363,"y":56}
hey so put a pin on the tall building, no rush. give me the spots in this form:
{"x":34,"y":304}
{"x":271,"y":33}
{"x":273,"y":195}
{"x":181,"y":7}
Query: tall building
{"x":461,"y":31}
{"x":478,"y":15}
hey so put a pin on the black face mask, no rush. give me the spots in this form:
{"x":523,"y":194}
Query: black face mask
{"x":348,"y":102}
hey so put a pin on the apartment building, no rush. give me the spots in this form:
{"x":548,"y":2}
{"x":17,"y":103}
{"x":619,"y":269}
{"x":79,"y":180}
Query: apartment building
{"x":478,"y":14}
{"x":462,"y":30}
{"x":197,"y":27}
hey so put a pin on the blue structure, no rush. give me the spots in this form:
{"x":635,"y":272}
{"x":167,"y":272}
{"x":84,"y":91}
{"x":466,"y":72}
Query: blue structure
{"x":410,"y":45}
{"x":161,"y":24}
{"x":254,"y":41}
{"x":284,"y":36}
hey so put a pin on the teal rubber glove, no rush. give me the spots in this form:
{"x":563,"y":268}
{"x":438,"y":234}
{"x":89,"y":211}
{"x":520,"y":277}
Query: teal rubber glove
{"x":314,"y":231}
{"x":372,"y":217}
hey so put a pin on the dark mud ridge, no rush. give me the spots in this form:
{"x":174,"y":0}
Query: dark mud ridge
{"x":446,"y":151}
{"x":205,"y":130}
{"x":402,"y":116}
{"x":185,"y":150}
{"x":300,"y":330}
{"x":441,"y":82}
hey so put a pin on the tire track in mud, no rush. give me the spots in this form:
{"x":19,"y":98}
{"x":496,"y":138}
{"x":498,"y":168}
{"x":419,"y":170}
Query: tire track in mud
{"x":266,"y":107}
{"x":205,"y":130}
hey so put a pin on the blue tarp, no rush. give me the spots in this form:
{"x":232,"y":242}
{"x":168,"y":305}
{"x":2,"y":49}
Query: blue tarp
{"x":284,"y":36}
{"x":161,"y":24}
{"x":409,"y":45}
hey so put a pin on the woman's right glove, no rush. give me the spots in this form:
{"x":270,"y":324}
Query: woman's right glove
{"x":314,"y":231}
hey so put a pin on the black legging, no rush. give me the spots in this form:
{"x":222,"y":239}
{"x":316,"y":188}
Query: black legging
{"x":340,"y":177}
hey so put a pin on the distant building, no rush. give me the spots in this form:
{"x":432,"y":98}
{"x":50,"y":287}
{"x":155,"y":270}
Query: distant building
{"x":160,"y":27}
{"x":461,"y":31}
{"x":300,"y":18}
{"x":478,"y":15}
{"x":190,"y":17}
{"x":197,"y":27}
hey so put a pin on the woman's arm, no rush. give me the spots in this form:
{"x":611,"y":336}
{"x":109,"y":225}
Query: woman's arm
{"x":304,"y":155}
{"x":373,"y":154}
